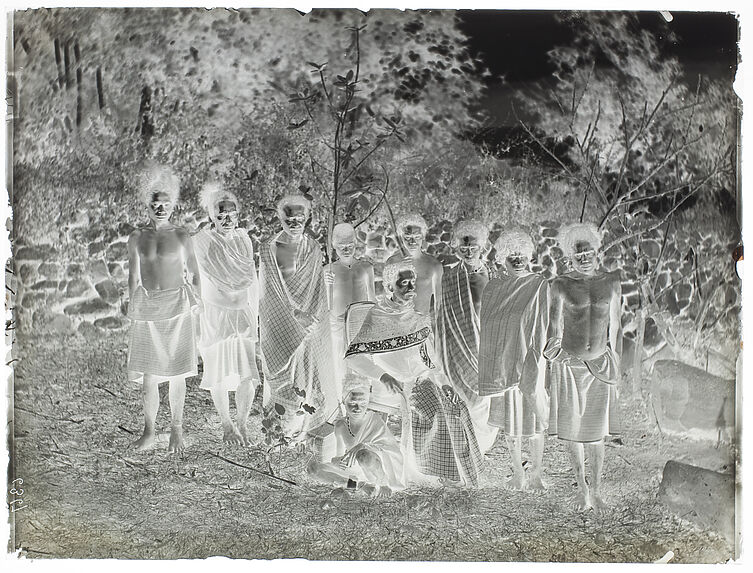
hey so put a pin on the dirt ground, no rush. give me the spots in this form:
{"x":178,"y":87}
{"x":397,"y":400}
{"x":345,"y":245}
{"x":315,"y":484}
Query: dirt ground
{"x":87,"y":495}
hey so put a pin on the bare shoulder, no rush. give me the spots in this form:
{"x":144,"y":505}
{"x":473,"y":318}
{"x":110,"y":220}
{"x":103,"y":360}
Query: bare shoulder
{"x":396,"y":258}
{"x":363,"y":266}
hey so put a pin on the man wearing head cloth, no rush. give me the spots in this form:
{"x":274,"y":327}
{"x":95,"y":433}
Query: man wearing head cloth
{"x":229,"y":318}
{"x":394,"y":348}
{"x":295,"y":342}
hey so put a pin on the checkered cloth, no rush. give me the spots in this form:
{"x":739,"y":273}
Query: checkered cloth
{"x":580,"y":392}
{"x":443,"y":439}
{"x":162,"y":339}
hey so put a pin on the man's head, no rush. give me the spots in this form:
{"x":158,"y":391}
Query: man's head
{"x":293,"y":211}
{"x":399,"y":280}
{"x":356,"y":394}
{"x":469,"y":239}
{"x":412,"y":229}
{"x":581,"y":242}
{"x":221,"y":205}
{"x":159,"y":188}
{"x":514,"y":249}
{"x":344,"y":240}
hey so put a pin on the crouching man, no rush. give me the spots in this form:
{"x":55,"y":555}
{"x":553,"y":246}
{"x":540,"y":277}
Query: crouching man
{"x":368,"y":456}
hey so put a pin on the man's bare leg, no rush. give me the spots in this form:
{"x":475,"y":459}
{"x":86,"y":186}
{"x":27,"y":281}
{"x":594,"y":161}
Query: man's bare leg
{"x":177,"y":400}
{"x":243,"y":398}
{"x":537,"y":454}
{"x":596,"y":459}
{"x":151,"y":406}
{"x":518,"y":480}
{"x":582,"y":499}
{"x":221,"y":401}
{"x":372,"y":467}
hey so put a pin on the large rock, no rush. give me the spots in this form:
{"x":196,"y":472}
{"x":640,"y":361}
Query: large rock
{"x":27,"y":273}
{"x":702,"y":496}
{"x":77,"y":287}
{"x":107,"y":290}
{"x":49,"y":270}
{"x":32,"y":299}
{"x":52,"y":322}
{"x":44,"y":285}
{"x":96,"y":247}
{"x":117,"y":251}
{"x":92,"y":306}
{"x":35,"y":253}
{"x":98,"y":270}
{"x":74,"y":270}
{"x":692,"y":403}
{"x":110,"y":322}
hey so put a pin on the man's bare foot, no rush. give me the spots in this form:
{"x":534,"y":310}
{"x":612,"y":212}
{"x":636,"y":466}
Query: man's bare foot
{"x":370,"y":490}
{"x":244,"y":435}
{"x":176,"y":444}
{"x":146,"y":441}
{"x":517,"y":481}
{"x":598,"y":501}
{"x":384,"y":491}
{"x":232,"y":436}
{"x":582,"y":502}
{"x":446,"y":482}
{"x":536,"y":483}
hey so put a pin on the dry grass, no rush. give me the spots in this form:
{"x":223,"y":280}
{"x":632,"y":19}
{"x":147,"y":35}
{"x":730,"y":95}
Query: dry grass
{"x":90,"y":496}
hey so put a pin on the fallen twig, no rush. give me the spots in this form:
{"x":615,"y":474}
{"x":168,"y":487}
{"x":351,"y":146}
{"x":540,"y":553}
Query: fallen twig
{"x":110,"y":392}
{"x":252,"y":469}
{"x":126,"y":430}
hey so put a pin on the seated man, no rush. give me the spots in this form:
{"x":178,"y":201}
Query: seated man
{"x":368,"y":456}
{"x":514,"y":319}
{"x":229,"y":319}
{"x":162,"y":343}
{"x":458,"y":325}
{"x":584,"y":323}
{"x":394,"y":348}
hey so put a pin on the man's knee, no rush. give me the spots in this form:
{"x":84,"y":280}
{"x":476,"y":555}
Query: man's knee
{"x":368,"y":458}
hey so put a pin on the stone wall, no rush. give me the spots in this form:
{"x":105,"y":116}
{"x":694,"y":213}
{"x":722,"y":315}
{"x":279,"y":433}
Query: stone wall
{"x":79,"y":285}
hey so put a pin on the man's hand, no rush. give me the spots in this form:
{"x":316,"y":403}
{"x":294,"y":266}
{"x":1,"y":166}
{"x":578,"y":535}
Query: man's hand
{"x":329,"y":277}
{"x":391,"y":383}
{"x":350,"y":456}
{"x":450,"y":393}
{"x":304,"y":319}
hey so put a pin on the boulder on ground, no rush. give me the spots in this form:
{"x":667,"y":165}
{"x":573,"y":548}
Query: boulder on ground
{"x":91,"y":306}
{"x":704,"y":497}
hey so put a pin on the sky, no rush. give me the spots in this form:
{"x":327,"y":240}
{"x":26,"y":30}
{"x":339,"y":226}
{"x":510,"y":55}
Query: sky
{"x":514,"y":44}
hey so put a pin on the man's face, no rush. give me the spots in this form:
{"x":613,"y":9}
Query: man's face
{"x":356,"y":402}
{"x":584,"y":258}
{"x":345,"y":247}
{"x":469,"y":248}
{"x":227,"y":217}
{"x":294,"y":219}
{"x":160,"y":207}
{"x":517,"y":263}
{"x":405,"y":287}
{"x":413,"y":237}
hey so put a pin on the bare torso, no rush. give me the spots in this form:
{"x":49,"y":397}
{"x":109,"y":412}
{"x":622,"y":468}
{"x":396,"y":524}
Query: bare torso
{"x":352,"y":284}
{"x":286,"y":254}
{"x":478,"y":282}
{"x":160,"y":257}
{"x":583,"y":308}
{"x":428,"y":280}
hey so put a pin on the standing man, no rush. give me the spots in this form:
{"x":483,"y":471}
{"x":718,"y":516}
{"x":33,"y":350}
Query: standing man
{"x":394,"y":347}
{"x":458,"y":323}
{"x":229,"y":319}
{"x":583,"y":327}
{"x":412,"y":230}
{"x":296,"y":350}
{"x":162,"y":343}
{"x":514,"y":321}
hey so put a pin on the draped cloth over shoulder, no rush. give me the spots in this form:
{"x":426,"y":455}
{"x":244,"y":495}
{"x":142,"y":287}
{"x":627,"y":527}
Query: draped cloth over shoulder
{"x":459,"y":330}
{"x":230,"y":297}
{"x":514,"y":322}
{"x":162,"y":338}
{"x":580,"y":393}
{"x":292,"y":359}
{"x":437,"y":436}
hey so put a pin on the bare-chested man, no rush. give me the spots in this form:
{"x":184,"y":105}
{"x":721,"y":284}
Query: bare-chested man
{"x":412,"y":230}
{"x":349,"y":280}
{"x":583,"y":328}
{"x":162,"y":342}
{"x":458,"y":323}
{"x":295,"y":342}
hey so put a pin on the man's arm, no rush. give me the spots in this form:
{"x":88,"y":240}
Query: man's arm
{"x":555,"y":311}
{"x":134,"y":263}
{"x":370,"y":292}
{"x":191,"y":265}
{"x":615,"y":321}
{"x":438,"y":273}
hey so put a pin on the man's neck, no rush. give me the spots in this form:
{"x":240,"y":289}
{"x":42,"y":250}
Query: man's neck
{"x":160,"y":225}
{"x":346,"y":261}
{"x":286,"y":237}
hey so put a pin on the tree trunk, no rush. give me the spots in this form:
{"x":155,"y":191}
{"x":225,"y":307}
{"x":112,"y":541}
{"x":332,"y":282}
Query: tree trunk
{"x":637,"y":370}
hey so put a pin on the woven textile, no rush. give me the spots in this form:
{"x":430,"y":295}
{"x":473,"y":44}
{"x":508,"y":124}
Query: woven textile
{"x":162,"y":340}
{"x":580,"y":393}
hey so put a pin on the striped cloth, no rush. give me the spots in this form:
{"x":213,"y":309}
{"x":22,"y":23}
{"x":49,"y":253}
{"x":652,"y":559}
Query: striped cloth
{"x":514,"y":321}
{"x":580,"y":391}
{"x":162,"y":339}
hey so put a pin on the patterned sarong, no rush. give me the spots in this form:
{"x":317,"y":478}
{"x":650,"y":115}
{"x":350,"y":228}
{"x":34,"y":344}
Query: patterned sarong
{"x":162,"y":340}
{"x":580,"y":393}
{"x":293,"y":360}
{"x":514,"y":321}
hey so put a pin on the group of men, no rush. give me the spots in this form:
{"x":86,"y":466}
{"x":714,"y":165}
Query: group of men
{"x":457,"y":352}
